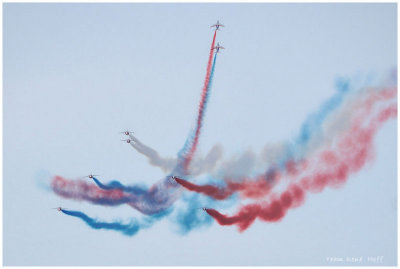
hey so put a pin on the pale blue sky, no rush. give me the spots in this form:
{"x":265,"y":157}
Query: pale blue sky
{"x":75,"y":75}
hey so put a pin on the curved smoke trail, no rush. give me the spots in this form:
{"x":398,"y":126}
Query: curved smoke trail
{"x":116,"y":185}
{"x":201,"y":165}
{"x":202,"y":109}
{"x":157,"y":198}
{"x":185,"y":154}
{"x":80,"y":190}
{"x":142,"y":196}
{"x":154,"y":200}
{"x":261,"y":185}
{"x":328,"y":129}
{"x":166,"y":164}
{"x":321,"y":156}
{"x":129,"y":229}
{"x":331,"y":167}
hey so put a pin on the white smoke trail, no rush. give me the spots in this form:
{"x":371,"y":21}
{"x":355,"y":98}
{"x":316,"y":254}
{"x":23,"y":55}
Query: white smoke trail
{"x":166,"y":164}
{"x":199,"y":165}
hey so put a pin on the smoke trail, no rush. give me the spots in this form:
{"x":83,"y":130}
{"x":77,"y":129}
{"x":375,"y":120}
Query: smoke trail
{"x":191,"y":217}
{"x":311,"y":133}
{"x":312,"y":125}
{"x":201,"y":165}
{"x":149,"y":201}
{"x":183,"y":153}
{"x":202,"y":109}
{"x":186,"y":154}
{"x":238,"y":166}
{"x":207,"y":164}
{"x":166,"y":164}
{"x":169,"y":164}
{"x":210,"y":190}
{"x":116,"y":185}
{"x":159,"y":197}
{"x":129,"y":229}
{"x":156,"y":199}
{"x":331,"y":168}
{"x":190,"y":214}
{"x":137,"y":190}
{"x":261,"y":185}
{"x":80,"y":190}
{"x":248,"y":188}
{"x":271,"y":212}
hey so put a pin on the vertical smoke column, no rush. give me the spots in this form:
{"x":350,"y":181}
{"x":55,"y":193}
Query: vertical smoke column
{"x":185,"y":155}
{"x":202,"y":109}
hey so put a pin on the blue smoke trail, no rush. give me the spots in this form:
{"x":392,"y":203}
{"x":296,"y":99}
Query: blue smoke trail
{"x":189,"y":141}
{"x":192,"y":217}
{"x":148,"y":201}
{"x":210,"y":83}
{"x":129,"y":229}
{"x":113,"y":185}
{"x":313,"y":123}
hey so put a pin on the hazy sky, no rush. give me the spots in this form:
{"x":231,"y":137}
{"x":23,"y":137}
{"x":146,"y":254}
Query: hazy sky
{"x":77,"y":74}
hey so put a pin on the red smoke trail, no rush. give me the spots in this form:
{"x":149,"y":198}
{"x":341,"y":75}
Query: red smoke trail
{"x":261,"y":185}
{"x":367,"y":105}
{"x":248,"y":188}
{"x":332,"y":168}
{"x":273,"y":211}
{"x":189,"y":156}
{"x":210,"y":190}
{"x":80,"y":190}
{"x":380,"y":95}
{"x":154,"y":200}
